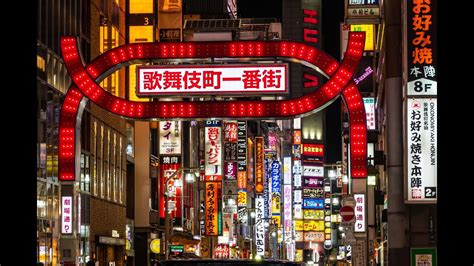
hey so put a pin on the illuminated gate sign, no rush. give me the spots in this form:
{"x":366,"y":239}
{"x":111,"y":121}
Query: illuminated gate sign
{"x":212,"y":79}
{"x":87,"y":77}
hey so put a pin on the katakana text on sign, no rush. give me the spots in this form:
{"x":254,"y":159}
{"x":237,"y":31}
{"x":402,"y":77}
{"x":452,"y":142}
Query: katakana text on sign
{"x":213,"y":79}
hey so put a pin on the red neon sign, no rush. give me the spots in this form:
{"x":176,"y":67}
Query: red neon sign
{"x":85,"y":84}
{"x":212,"y":79}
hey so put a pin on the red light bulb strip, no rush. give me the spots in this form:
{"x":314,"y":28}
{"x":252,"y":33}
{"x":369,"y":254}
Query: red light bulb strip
{"x":67,"y":130}
{"x":358,"y":130}
{"x":83,"y":78}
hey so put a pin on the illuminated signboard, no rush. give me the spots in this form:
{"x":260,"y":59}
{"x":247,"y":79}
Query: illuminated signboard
{"x":313,"y":214}
{"x":230,"y":170}
{"x":242,"y":180}
{"x":362,"y":8}
{"x":168,"y":166}
{"x":259,"y":165}
{"x":239,"y":80}
{"x":287,"y":170}
{"x":420,"y":34}
{"x":369,"y":104}
{"x":313,"y":225}
{"x":66,"y":215}
{"x":359,"y":211}
{"x":242,"y":145}
{"x":287,"y":211}
{"x":315,"y":193}
{"x":170,"y":137}
{"x":230,"y":151}
{"x":313,"y":149}
{"x":422,"y":149}
{"x":260,"y":229}
{"x":313,"y":181}
{"x":314,"y":236}
{"x":313,"y":203}
{"x":297,"y":137}
{"x":212,"y":210}
{"x":314,"y":171}
{"x":230,"y":131}
{"x":242,"y":199}
{"x":369,"y":34}
{"x":213,"y":151}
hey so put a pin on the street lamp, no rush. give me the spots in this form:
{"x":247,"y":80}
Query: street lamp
{"x":166,"y":194}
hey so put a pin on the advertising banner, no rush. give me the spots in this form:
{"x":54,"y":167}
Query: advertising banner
{"x":421,"y":60}
{"x":259,"y":167}
{"x":313,"y":236}
{"x":242,"y":145}
{"x":170,"y":137}
{"x":313,"y":225}
{"x":287,"y":170}
{"x":313,"y":181}
{"x":239,"y":80}
{"x":230,"y":151}
{"x":212,"y":208}
{"x":213,"y":150}
{"x":230,"y":131}
{"x":422,"y":150}
{"x":359,"y":211}
{"x":314,"y":171}
{"x":424,"y":256}
{"x":369,"y":104}
{"x":230,"y":170}
{"x":287,"y":212}
{"x":66,"y":215}
{"x":242,"y":180}
{"x":313,"y":214}
{"x":168,"y":166}
{"x":313,"y":203}
{"x":315,"y":193}
{"x":259,"y":227}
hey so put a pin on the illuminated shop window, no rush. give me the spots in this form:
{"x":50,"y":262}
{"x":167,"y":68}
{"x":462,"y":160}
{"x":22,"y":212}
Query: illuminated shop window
{"x":109,"y":39}
{"x":101,"y":162}
{"x":114,"y":168}
{"x":107,"y":165}
{"x":94,"y":159}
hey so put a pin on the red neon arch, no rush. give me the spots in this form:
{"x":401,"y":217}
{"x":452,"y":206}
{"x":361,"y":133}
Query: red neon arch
{"x":85,"y":85}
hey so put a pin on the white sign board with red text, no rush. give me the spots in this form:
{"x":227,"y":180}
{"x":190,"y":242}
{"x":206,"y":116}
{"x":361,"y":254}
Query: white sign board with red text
{"x":422,"y":150}
{"x":359,"y":225}
{"x":66,"y":215}
{"x":212,"y":79}
{"x":170,"y":137}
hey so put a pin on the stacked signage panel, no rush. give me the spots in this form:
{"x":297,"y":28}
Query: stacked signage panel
{"x":420,"y":80}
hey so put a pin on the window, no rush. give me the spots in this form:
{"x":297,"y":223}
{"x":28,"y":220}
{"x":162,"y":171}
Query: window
{"x":120,"y":171}
{"x":41,"y":205}
{"x":108,"y":161}
{"x":85,"y":173}
{"x":101,"y":161}
{"x":113,"y":164}
{"x":94,"y":158}
{"x":129,"y":147}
